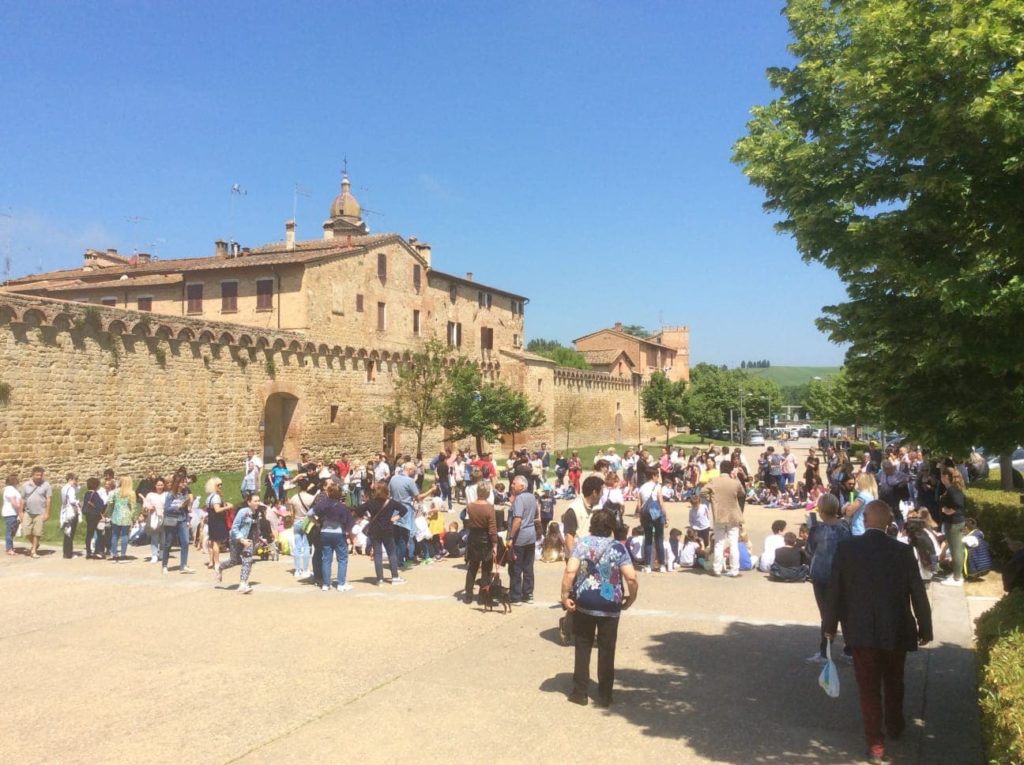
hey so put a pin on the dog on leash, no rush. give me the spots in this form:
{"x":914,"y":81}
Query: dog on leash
{"x":494,"y":594}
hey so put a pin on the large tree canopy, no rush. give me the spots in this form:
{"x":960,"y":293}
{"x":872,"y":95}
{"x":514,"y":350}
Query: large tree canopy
{"x":894,"y":155}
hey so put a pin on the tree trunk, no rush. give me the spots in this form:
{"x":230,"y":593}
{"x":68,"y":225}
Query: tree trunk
{"x":1006,"y":471}
{"x":419,"y":440}
{"x":667,"y":436}
{"x":479,"y":445}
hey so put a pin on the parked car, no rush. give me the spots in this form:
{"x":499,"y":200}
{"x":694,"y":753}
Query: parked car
{"x":806,"y":432}
{"x":1017,"y":459}
{"x":794,"y":434}
{"x":755,"y":438}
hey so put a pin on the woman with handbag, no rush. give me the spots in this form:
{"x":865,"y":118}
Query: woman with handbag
{"x":177,"y":503}
{"x":383,"y":513}
{"x":592,"y":591}
{"x":299,"y":505}
{"x":153,"y":507}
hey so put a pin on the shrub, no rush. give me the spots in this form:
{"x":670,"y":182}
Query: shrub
{"x":999,"y":515}
{"x":1000,"y":643}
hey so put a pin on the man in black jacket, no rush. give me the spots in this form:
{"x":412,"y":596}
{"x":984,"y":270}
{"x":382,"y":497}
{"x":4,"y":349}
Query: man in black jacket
{"x":875,"y":581}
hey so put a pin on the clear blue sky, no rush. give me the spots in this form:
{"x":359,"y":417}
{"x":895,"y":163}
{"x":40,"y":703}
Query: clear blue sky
{"x":574,"y":152}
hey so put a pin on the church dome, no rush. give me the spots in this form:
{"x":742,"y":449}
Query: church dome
{"x":345,"y":205}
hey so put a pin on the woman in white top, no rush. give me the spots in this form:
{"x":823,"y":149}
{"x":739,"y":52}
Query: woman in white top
{"x":12,"y":511}
{"x":153,"y":506}
{"x":70,"y":510}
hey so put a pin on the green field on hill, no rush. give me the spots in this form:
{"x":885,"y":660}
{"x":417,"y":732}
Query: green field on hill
{"x":786,"y":377}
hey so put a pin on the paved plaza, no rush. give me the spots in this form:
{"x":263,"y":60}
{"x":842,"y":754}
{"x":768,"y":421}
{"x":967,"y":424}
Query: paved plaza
{"x":122,"y":663}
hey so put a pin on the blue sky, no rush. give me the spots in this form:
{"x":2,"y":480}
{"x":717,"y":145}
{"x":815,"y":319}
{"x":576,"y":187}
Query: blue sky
{"x":574,"y":152}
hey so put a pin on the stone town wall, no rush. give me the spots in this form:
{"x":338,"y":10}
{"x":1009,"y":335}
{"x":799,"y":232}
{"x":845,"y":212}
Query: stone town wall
{"x":599,"y":407}
{"x":94,"y":387}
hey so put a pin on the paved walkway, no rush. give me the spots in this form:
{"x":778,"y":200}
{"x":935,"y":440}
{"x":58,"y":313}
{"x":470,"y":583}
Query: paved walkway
{"x":120,"y":663}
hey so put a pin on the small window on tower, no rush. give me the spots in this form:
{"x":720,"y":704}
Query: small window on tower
{"x":382,"y":266}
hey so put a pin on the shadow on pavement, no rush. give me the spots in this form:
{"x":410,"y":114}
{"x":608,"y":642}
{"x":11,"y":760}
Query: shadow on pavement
{"x":743,"y":696}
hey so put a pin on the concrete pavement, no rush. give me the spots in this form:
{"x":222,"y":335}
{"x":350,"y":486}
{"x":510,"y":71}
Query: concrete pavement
{"x":119,"y":662}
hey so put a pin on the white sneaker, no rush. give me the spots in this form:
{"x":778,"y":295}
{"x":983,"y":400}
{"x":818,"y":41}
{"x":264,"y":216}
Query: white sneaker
{"x":731,"y":573}
{"x":816,"y":659}
{"x":398,"y":580}
{"x":186,"y":570}
{"x":951,"y":582}
{"x":326,"y":588}
{"x":647,"y":569}
{"x":165,"y":569}
{"x":298,"y":574}
{"x":244,"y":589}
{"x":344,"y":587}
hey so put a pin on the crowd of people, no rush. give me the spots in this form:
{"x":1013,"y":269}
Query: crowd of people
{"x":617,"y":522}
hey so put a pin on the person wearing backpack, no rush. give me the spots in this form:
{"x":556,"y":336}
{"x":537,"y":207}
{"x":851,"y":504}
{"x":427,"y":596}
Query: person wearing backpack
{"x":651,"y":509}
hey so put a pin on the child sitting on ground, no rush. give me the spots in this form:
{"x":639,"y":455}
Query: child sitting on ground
{"x":435,"y":524}
{"x":500,"y":495}
{"x":553,"y":549}
{"x":359,"y":536}
{"x":691,"y":550}
{"x":453,"y":546}
{"x":636,"y":545}
{"x":747,"y":561}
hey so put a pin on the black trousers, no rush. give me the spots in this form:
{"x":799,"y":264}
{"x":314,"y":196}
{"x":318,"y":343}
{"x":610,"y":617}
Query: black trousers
{"x":69,"y":539}
{"x":607,"y":628}
{"x":91,"y":521}
{"x":478,"y":558}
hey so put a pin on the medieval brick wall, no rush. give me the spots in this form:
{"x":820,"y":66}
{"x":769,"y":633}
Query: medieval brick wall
{"x":94,"y":387}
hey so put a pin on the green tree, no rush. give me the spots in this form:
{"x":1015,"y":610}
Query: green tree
{"x":483,"y":410}
{"x":515,"y":412}
{"x":664,"y":401}
{"x":560,"y":354}
{"x":636,"y":330}
{"x":894,"y":155}
{"x":418,"y":388}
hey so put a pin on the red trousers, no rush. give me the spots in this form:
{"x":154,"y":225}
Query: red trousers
{"x":880,"y":682}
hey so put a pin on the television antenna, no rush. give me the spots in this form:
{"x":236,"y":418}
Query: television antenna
{"x":236,"y":191}
{"x":299,"y":191}
{"x":134,"y":221}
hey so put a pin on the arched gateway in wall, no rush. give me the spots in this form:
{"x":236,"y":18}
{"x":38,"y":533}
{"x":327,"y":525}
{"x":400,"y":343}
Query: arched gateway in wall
{"x":280,"y":427}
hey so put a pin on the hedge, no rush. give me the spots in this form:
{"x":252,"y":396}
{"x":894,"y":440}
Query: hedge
{"x":1000,"y":645}
{"x":999,"y":514}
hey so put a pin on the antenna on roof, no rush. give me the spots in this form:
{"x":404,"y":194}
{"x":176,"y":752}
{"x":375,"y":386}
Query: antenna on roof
{"x":134,"y":221}
{"x":298,"y":192}
{"x":236,"y":190}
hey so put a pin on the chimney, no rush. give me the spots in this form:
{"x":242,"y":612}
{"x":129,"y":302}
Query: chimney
{"x":143,"y":257}
{"x":112,"y":252}
{"x":424,"y":250}
{"x":220,"y":248}
{"x":469,"y":276}
{"x":235,"y":249}
{"x":413,"y":240}
{"x":289,"y":235}
{"x":618,"y":326}
{"x":245,"y":252}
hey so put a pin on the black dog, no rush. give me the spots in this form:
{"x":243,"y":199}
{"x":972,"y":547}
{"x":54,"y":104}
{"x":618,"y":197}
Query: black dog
{"x":494,"y":594}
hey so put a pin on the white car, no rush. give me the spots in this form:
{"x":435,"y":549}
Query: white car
{"x":1017,"y":457}
{"x":755,"y":438}
{"x":794,"y":434}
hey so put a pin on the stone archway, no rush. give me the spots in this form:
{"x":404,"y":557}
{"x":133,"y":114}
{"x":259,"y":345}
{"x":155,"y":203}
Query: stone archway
{"x":280,"y":427}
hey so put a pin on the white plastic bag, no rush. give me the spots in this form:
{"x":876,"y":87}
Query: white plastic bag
{"x":829,"y":677}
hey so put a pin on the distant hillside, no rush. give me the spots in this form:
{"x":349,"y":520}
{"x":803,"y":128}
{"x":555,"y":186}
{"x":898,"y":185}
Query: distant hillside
{"x":786,"y":377}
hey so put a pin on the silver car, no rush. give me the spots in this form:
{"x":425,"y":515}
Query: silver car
{"x":755,"y":438}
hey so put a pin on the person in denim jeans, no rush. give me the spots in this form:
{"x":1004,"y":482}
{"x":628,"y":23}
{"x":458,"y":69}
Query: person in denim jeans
{"x":177,"y":502}
{"x":12,"y":510}
{"x":525,"y":515}
{"x":384,"y":514}
{"x":120,"y":503}
{"x":651,"y":509}
{"x":243,"y":529}
{"x":300,"y":504}
{"x":335,"y":527}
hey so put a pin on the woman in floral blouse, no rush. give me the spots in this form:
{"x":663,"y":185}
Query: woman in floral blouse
{"x":121,"y":504}
{"x":592,"y":591}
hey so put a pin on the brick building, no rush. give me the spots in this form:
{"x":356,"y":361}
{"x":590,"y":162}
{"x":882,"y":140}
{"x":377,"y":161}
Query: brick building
{"x":623,"y":355}
{"x":349,"y":287}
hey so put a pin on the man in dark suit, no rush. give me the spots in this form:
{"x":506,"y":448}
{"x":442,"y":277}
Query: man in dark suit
{"x":875,"y":581}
